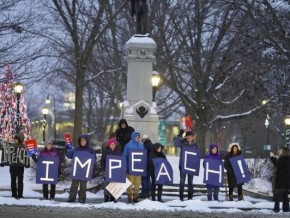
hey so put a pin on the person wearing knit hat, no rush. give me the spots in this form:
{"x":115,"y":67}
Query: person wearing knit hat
{"x":133,"y":190}
{"x":111,"y":149}
{"x":17,"y":170}
{"x":111,"y":141}
{"x":112,"y":135}
{"x":48,"y":151}
{"x":185,"y":140}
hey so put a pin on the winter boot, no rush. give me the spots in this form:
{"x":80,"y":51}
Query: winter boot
{"x":240,"y":198}
{"x":159,"y":194}
{"x":135,"y":198}
{"x":181,"y":196}
{"x":106,"y":198}
{"x":130,"y":199}
{"x":190,"y":196}
{"x":231,"y":198}
{"x":276,"y":207}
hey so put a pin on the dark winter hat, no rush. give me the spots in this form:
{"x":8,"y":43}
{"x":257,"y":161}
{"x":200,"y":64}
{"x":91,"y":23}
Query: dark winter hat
{"x":137,"y":134}
{"x":20,"y":137}
{"x":189,"y":133}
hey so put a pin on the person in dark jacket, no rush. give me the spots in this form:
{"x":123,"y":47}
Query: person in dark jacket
{"x":155,"y":153}
{"x":84,"y":146}
{"x":234,"y":150}
{"x":48,"y":151}
{"x":17,"y":171}
{"x":145,"y":180}
{"x":123,"y":133}
{"x":282,"y":186}
{"x":111,"y":149}
{"x":181,"y":142}
{"x":213,"y":154}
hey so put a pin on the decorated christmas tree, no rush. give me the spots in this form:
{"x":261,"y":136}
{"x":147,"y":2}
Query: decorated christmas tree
{"x":8,"y":106}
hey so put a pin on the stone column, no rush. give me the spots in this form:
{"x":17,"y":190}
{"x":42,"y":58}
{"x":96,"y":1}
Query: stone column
{"x":139,"y":110}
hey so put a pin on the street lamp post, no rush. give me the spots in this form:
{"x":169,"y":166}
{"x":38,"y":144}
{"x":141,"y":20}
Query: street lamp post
{"x":44,"y":112}
{"x":287,"y":134}
{"x":155,"y":82}
{"x":267,"y":147}
{"x":47,"y":101}
{"x":18,"y":89}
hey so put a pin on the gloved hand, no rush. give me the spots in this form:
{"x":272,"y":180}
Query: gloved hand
{"x":181,"y":132}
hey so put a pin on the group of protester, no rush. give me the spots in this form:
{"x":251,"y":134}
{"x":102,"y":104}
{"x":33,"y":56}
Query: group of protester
{"x":126,"y":138}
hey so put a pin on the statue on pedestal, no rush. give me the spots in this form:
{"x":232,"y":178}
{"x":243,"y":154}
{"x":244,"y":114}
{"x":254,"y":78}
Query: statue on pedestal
{"x":140,"y":9}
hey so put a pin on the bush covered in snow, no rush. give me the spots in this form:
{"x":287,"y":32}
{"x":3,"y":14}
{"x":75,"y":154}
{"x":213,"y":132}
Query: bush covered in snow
{"x":259,"y":168}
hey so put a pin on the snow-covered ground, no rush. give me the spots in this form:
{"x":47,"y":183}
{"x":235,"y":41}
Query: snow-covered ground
{"x":33,"y":196}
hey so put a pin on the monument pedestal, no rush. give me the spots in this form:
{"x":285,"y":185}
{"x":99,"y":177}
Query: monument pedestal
{"x":139,"y":109}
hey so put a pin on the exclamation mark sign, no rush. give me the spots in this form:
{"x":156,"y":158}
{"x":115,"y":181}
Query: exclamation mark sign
{"x":241,"y":168}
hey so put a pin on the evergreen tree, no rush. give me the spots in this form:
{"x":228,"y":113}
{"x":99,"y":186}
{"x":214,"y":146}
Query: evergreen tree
{"x":8,"y":112}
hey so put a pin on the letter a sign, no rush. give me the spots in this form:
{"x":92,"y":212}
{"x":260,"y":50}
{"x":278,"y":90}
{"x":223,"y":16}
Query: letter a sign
{"x":82,"y":166}
{"x":163,"y":171}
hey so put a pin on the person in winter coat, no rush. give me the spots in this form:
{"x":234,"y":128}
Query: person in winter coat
{"x":156,"y":153}
{"x":123,"y":133}
{"x":182,"y":142}
{"x":145,"y":180}
{"x":282,"y":181}
{"x":48,"y":151}
{"x":211,"y":189}
{"x":112,"y":135}
{"x":133,"y":190}
{"x":234,"y":150}
{"x":17,"y":171}
{"x":84,"y":146}
{"x":111,"y":149}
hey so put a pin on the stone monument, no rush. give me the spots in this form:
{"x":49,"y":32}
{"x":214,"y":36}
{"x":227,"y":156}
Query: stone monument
{"x":139,"y":109}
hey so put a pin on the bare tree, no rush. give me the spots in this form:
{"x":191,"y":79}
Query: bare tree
{"x":206,"y":55}
{"x":83,"y":25}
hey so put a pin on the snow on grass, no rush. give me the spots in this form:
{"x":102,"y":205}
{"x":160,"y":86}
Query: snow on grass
{"x":259,"y":185}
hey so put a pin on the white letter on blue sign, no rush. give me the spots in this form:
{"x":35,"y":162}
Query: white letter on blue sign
{"x":113,"y":167}
{"x":213,"y":171}
{"x":185,"y":160}
{"x":46,"y":171}
{"x":241,"y":168}
{"x":165,"y":173}
{"x":136,"y":160}
{"x":88,"y":162}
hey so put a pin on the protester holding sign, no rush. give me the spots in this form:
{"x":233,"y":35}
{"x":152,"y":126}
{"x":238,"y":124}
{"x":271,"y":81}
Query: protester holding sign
{"x":133,"y":190}
{"x":17,"y":170}
{"x":234,"y":150}
{"x":156,"y":153}
{"x":213,"y":154}
{"x":145,"y":180}
{"x":83,"y":146}
{"x":111,"y":149}
{"x":282,"y":180}
{"x":48,"y":151}
{"x":123,"y":133}
{"x":188,"y":141}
